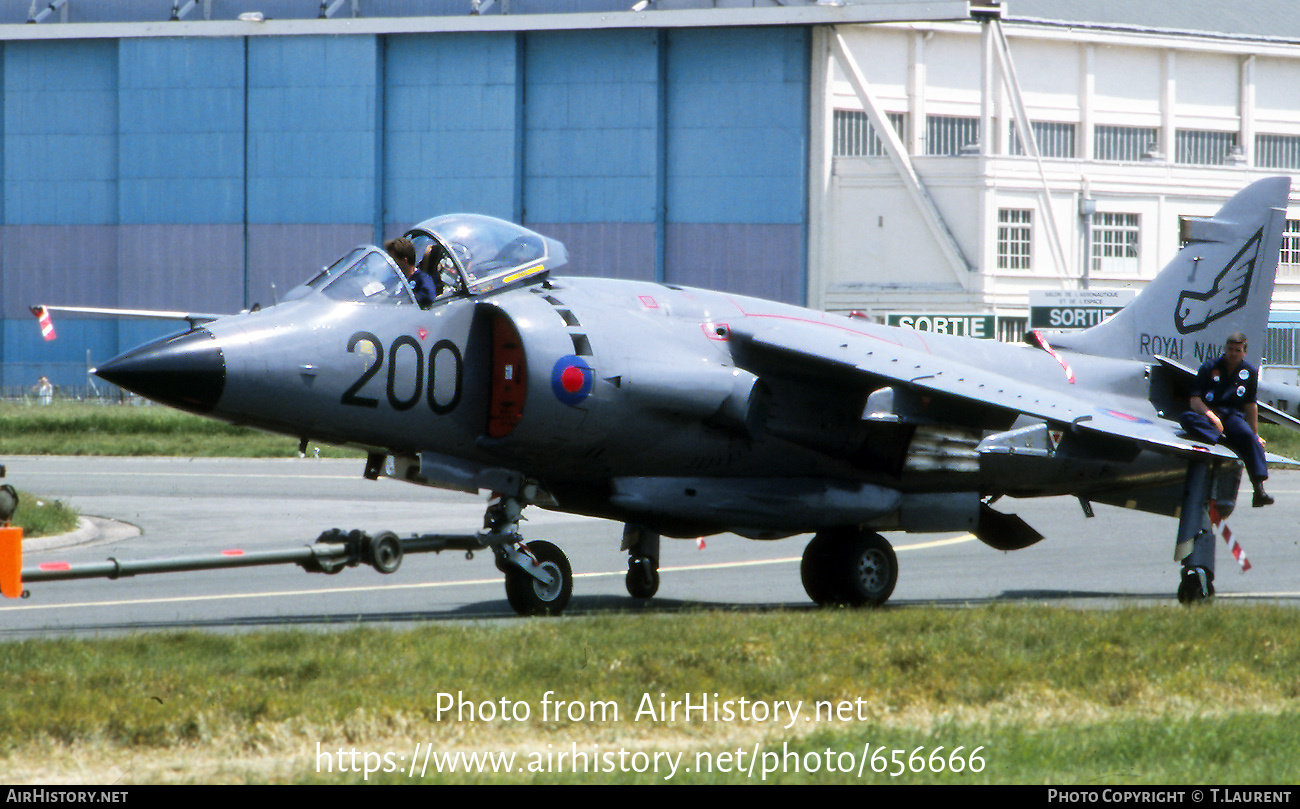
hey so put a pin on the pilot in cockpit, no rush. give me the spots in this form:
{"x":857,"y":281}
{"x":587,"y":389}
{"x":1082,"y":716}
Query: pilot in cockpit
{"x":424,"y":285}
{"x":437,"y":264}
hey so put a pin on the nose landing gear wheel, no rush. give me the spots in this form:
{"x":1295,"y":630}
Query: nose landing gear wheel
{"x":528,"y":596}
{"x":642,"y":577}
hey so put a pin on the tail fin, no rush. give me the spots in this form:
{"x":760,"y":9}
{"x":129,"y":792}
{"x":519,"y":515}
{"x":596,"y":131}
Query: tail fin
{"x":1220,"y":283}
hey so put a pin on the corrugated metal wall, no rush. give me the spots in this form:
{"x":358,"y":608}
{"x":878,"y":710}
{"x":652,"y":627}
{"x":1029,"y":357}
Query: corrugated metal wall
{"x":195,"y":173}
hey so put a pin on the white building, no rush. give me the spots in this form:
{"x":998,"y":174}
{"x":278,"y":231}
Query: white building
{"x":1141,"y":114}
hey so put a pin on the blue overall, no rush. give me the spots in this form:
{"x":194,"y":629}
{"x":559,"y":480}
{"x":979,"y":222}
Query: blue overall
{"x":1228,"y":395}
{"x":424,"y":288}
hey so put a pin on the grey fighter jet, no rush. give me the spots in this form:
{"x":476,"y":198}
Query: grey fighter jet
{"x":683,"y":412}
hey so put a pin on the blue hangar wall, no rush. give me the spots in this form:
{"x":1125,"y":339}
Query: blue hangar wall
{"x":194,"y":173}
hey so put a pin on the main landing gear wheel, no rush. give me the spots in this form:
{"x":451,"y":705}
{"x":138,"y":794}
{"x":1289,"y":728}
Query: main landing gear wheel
{"x":529,"y":596}
{"x":817,"y":567}
{"x":851,"y":568}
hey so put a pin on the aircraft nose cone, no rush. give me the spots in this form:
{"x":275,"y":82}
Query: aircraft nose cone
{"x":186,"y":371}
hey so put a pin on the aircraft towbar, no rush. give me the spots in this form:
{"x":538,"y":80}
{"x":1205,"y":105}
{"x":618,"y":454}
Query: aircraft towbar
{"x":333,"y":550}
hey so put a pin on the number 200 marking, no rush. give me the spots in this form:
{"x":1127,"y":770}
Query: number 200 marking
{"x":353,"y":397}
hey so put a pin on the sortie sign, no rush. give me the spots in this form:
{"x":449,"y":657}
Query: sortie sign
{"x":1075,"y":308}
{"x":961,"y":325}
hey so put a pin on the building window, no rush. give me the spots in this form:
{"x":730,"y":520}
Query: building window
{"x":1288,"y":261}
{"x":1203,"y":147}
{"x":1014,"y":229}
{"x":1054,"y":139}
{"x":950,"y":135}
{"x":1125,"y":143}
{"x":1115,"y":243}
{"x":1280,"y":350}
{"x":1277,"y":152}
{"x":855,"y":137}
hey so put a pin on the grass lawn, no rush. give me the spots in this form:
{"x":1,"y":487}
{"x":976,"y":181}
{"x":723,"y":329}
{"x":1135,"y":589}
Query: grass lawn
{"x":1005,"y":694}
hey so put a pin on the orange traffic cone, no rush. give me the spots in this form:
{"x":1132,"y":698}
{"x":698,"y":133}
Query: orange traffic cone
{"x":11,"y":561}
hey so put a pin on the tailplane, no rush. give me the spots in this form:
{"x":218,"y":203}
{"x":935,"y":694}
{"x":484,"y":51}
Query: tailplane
{"x":1219,"y":283}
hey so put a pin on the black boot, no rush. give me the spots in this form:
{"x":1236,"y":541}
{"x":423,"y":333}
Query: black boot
{"x":1261,"y":498}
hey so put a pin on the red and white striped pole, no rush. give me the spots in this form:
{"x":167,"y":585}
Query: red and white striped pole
{"x":1224,"y":531}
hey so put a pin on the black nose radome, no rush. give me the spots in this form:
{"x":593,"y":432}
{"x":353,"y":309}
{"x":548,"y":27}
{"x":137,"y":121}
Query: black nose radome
{"x":186,"y":371}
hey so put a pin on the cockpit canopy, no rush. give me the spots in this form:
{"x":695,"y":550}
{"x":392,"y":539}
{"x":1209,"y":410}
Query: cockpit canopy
{"x":485,"y":253}
{"x":364,"y":274}
{"x":465,"y":254}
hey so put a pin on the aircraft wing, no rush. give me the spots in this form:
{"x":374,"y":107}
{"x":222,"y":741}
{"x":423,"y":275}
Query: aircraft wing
{"x":830,"y":352}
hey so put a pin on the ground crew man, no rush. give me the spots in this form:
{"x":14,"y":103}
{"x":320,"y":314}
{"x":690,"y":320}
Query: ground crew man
{"x":1224,"y":410}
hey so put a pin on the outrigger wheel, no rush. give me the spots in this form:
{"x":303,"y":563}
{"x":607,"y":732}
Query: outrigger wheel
{"x":1197,"y":585}
{"x":529,"y":595}
{"x":849,"y":567}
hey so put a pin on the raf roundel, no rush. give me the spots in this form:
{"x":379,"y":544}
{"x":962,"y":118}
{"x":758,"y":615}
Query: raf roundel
{"x":572,"y":379}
